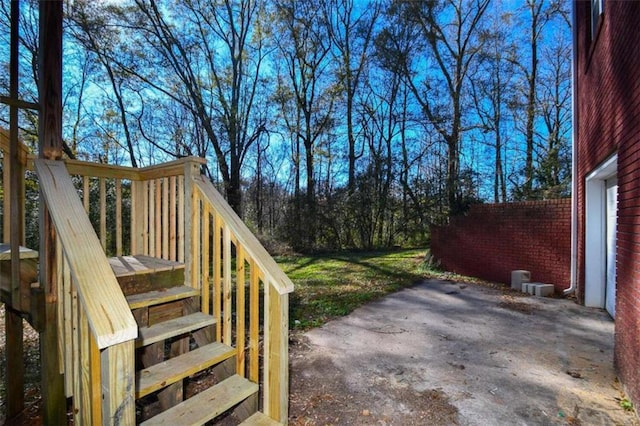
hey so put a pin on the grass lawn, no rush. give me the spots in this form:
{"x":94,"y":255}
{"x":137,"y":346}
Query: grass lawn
{"x":333,"y":285}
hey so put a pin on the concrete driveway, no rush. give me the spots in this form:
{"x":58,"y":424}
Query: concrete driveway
{"x":448,"y":353}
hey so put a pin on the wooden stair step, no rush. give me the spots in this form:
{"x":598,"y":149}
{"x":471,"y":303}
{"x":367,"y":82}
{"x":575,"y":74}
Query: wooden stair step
{"x":208,"y":404}
{"x":174,"y":327}
{"x":140,"y":264}
{"x":260,"y":419}
{"x":165,"y":373}
{"x":157,"y":297}
{"x":140,"y":274}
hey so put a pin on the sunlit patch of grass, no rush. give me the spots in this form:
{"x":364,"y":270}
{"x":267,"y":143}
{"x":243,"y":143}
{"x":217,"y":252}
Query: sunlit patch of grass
{"x":333,"y":285}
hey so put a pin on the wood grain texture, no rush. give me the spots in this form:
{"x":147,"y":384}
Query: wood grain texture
{"x":174,"y":327}
{"x":107,"y":310}
{"x":217,"y":399}
{"x":170,"y":371}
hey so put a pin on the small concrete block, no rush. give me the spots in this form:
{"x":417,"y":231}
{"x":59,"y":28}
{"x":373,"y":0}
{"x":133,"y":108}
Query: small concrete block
{"x":519,"y":277}
{"x":544,"y":290}
{"x":531,"y":288}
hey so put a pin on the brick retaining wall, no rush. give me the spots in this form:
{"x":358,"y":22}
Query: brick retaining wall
{"x":494,"y":239}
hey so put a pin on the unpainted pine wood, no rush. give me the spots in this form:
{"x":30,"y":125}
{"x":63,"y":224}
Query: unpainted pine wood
{"x":154,"y":377}
{"x":160,"y":296}
{"x":217,"y":275}
{"x":137,"y":221}
{"x":217,"y":399}
{"x":165,"y":312}
{"x":276,"y":386}
{"x":95,"y":380}
{"x":118,"y":383}
{"x":82,"y":386}
{"x":152,"y":219}
{"x":246,"y":408}
{"x":103,"y":214}
{"x":171,"y":168}
{"x":174,"y":327}
{"x":14,"y":378}
{"x":66,"y":338}
{"x":240,"y":310}
{"x":245,"y":237}
{"x":260,"y":419}
{"x":145,"y":218}
{"x":165,"y":218}
{"x":191,"y":258}
{"x":254,"y":321}
{"x":53,"y":395}
{"x":72,"y":346}
{"x":86,"y":193}
{"x":172,"y":219}
{"x":158,"y":219}
{"x":206,"y":253}
{"x":226,"y":287}
{"x":180,"y":213}
{"x":118,"y":217}
{"x":101,"y":170}
{"x":196,"y":249}
{"x":107,"y":310}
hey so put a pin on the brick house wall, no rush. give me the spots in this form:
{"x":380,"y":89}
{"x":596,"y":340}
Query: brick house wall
{"x":607,"y":87}
{"x":494,"y":239}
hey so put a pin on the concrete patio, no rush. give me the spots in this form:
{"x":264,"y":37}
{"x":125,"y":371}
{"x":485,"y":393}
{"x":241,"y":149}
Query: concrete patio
{"x":442,"y":352}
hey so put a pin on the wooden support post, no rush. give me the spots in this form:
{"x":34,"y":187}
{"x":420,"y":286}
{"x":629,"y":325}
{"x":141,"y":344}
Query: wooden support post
{"x":50,"y":138}
{"x":14,"y":362}
{"x":53,"y":397}
{"x":118,"y":384}
{"x":276,"y":387}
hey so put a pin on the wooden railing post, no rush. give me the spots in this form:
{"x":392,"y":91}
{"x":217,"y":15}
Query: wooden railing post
{"x":276,"y":352}
{"x":191,"y":256}
{"x":118,"y":398}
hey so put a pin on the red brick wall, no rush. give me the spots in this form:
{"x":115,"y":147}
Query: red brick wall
{"x":494,"y":239}
{"x":607,"y":82}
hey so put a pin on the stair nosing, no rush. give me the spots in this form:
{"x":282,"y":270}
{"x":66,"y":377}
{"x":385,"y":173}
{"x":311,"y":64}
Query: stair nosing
{"x":160,"y":296}
{"x":200,"y":320}
{"x":215,"y":353}
{"x":190,"y":411}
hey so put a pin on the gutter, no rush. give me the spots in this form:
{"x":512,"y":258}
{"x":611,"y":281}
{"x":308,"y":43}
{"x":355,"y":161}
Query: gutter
{"x":574,"y":166}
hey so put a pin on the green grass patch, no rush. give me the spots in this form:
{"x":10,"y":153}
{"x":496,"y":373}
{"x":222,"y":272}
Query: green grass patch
{"x":333,"y":285}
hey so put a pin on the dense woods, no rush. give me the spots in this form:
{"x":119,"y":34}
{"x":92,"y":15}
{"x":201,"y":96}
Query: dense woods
{"x":328,"y":124}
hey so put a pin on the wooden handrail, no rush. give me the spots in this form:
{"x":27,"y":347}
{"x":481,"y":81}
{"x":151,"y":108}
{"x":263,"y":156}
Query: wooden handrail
{"x":106,"y":308}
{"x":214,"y":247}
{"x":252,"y":246}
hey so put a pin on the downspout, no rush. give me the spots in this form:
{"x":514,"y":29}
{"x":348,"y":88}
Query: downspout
{"x":574,"y":165}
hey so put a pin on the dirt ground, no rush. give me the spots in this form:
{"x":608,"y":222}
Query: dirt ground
{"x":444,"y":353}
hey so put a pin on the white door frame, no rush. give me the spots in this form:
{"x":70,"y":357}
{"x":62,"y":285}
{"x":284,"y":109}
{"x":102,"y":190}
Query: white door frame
{"x":595,"y":269}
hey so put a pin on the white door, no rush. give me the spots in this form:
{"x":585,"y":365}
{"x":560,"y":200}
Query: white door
{"x":611,"y":186}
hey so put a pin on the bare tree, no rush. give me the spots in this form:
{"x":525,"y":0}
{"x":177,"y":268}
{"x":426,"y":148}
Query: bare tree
{"x":439,"y":80}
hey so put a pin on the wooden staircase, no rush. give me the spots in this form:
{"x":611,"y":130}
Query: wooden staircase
{"x":191,"y":296}
{"x":176,"y":341}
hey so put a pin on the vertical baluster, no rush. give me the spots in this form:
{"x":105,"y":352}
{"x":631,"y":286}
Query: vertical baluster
{"x":240,"y":310}
{"x":217,"y":276}
{"x":172,"y":218}
{"x":254,"y":321}
{"x":196,"y":247}
{"x":118,"y":217}
{"x":86,"y":193}
{"x":181,"y":239}
{"x":103,"y":214}
{"x":158,"y":219}
{"x":145,"y":218}
{"x":152,"y":218}
{"x":206,"y":240}
{"x":226,"y":287}
{"x":165,"y":218}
